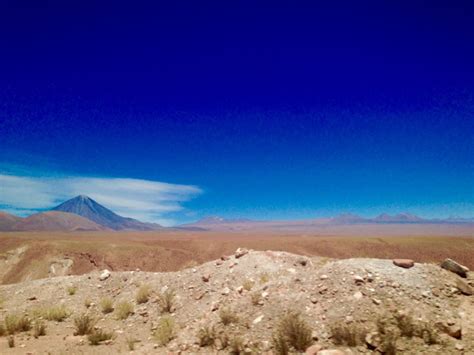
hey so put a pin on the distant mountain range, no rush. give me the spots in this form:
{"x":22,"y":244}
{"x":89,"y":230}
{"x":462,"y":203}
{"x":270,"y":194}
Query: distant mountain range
{"x":78,"y":214}
{"x":82,"y":213}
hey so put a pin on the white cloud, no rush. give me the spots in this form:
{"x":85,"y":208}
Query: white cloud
{"x":145,"y":200}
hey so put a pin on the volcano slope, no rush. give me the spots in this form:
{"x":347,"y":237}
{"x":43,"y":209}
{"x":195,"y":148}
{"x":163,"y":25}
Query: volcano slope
{"x":248,"y":302}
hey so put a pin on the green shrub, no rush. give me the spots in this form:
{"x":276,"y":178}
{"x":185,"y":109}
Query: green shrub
{"x":165,"y":331}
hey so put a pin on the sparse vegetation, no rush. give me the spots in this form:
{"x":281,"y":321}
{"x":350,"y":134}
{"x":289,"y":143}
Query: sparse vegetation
{"x":55,"y":313}
{"x":236,"y":346}
{"x":256,"y":298}
{"x":39,"y":329}
{"x":166,"y":301}
{"x":84,"y":324}
{"x":228,"y":316}
{"x":347,"y":334}
{"x":2,"y":330}
{"x":107,"y":305}
{"x":248,"y":284}
{"x":15,"y":323}
{"x":207,"y":336}
{"x":98,"y":336}
{"x":123,"y":310}
{"x":292,"y":331}
{"x":87,"y":303}
{"x":143,"y":294}
{"x":11,"y":341}
{"x":165,"y":331}
{"x":71,"y":290}
{"x":264,"y":277}
{"x":131,"y":343}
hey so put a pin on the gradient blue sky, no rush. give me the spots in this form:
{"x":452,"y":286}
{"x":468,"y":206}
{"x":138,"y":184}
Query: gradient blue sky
{"x":250,"y":109}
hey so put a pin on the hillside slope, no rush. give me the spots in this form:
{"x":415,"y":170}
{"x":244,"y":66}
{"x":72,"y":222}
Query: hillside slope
{"x":238,"y":303}
{"x":8,"y":221}
{"x":56,"y":221}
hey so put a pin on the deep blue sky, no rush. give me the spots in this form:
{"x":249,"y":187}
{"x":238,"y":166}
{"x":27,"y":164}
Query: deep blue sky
{"x":274,"y":109}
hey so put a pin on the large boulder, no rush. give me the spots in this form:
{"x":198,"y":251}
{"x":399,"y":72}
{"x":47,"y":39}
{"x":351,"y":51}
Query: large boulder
{"x":464,"y":288}
{"x":455,"y":267}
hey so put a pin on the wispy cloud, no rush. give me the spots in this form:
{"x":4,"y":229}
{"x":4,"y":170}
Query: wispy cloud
{"x":145,"y":200}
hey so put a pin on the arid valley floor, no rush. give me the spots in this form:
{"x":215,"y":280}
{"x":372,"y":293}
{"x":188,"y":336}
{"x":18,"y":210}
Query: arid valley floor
{"x":336,"y":288}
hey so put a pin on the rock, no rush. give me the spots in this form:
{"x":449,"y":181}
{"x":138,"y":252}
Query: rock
{"x":451,"y":328}
{"x":358,"y":295}
{"x":464,"y":288}
{"x":459,"y":346}
{"x":323,"y":277}
{"x":205,"y":277}
{"x":404,"y":263}
{"x":32,"y":298}
{"x":240,"y":289}
{"x":453,"y":266}
{"x":258,"y":319}
{"x":313,"y":349}
{"x":104,"y":275}
{"x":376,"y":301}
{"x":314,"y":300}
{"x":225,"y":291}
{"x":302,"y":262}
{"x":240,"y":252}
{"x":219,"y":262}
{"x":358,"y":279}
{"x":373,"y":340}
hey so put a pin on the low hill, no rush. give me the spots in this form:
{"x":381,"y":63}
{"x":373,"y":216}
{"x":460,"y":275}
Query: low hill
{"x":88,"y":208}
{"x":250,"y":302}
{"x":8,"y":221}
{"x":56,"y":221}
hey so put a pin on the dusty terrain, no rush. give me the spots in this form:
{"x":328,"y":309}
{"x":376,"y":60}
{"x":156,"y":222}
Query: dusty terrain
{"x":238,"y":303}
{"x":30,"y":255}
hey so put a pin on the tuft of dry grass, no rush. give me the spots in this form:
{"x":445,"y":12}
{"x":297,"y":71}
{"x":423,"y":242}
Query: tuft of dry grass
{"x":11,"y":341}
{"x":107,"y":305}
{"x":236,"y":346}
{"x":123,"y":310}
{"x":165,"y":331}
{"x":347,"y":334}
{"x":71,"y":290}
{"x":143,"y":294}
{"x":166,"y":301}
{"x":15,"y":323}
{"x":228,"y":316}
{"x":248,"y":284}
{"x":131,"y":343}
{"x":87,"y":303}
{"x":84,"y":324}
{"x":55,"y":313}
{"x":207,"y":336}
{"x":292,"y":331}
{"x":256,"y":298}
{"x":2,"y":330}
{"x":98,"y":336}
{"x":264,"y":277}
{"x":39,"y":329}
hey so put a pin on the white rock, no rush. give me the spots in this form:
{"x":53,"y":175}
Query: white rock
{"x":104,"y":275}
{"x":258,"y":319}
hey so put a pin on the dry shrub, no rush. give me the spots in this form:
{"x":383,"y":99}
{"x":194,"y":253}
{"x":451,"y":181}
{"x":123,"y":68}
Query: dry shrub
{"x":264,"y":277}
{"x":347,"y":334}
{"x":55,"y":313}
{"x":11,"y":341}
{"x":256,"y":298}
{"x":166,"y":301}
{"x":248,"y":284}
{"x":2,"y":330}
{"x":71,"y":290}
{"x":87,"y":303}
{"x":107,"y":305}
{"x":292,"y":331}
{"x":236,"y":346}
{"x":98,"y":336}
{"x":39,"y":329}
{"x":228,"y":316}
{"x":207,"y":336}
{"x":84,"y":324}
{"x":15,"y":323}
{"x":123,"y":310}
{"x":131,"y":343}
{"x":143,"y":294}
{"x":165,"y":331}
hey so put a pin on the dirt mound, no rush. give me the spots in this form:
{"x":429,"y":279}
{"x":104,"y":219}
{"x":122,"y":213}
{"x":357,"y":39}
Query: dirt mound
{"x":251,"y":301}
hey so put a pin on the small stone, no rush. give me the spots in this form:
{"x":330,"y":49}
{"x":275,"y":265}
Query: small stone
{"x":219,"y":262}
{"x":358,"y":295}
{"x":314,"y":300}
{"x":376,"y":301}
{"x":225,"y":291}
{"x":258,"y":319}
{"x":358,"y":279}
{"x":104,"y":275}
{"x":240,"y":289}
{"x":459,"y":346}
{"x":32,"y":298}
{"x":464,"y":288}
{"x":205,"y":277}
{"x":404,"y":263}
{"x":323,"y":277}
